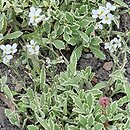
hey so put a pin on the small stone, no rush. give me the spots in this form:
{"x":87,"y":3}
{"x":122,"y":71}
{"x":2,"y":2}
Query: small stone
{"x":108,"y":66}
{"x":87,"y":56}
{"x":128,"y":70}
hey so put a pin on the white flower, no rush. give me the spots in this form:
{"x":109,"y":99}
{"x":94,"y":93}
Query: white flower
{"x":35,"y":16}
{"x":1,"y":36}
{"x":7,"y":58}
{"x":110,"y":7}
{"x":102,"y":12}
{"x":107,"y":45}
{"x":33,"y":48}
{"x":112,"y":47}
{"x":107,"y":19}
{"x":114,"y":44}
{"x":6,"y":49}
{"x":117,"y":40}
{"x":14,"y":48}
{"x":60,"y":59}
{"x":8,"y":52}
{"x":48,"y":60}
{"x":94,"y":13}
{"x":99,"y":26}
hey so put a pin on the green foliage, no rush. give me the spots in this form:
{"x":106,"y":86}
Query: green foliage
{"x":58,"y":101}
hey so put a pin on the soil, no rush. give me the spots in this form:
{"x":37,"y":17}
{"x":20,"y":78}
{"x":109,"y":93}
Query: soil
{"x":87,"y":59}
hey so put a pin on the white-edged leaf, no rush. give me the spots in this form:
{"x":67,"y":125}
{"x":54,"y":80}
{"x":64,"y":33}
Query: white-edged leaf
{"x":32,"y":127}
{"x":100,"y":85}
{"x":121,"y":3}
{"x":42,"y":122}
{"x":84,"y":36}
{"x":97,"y":52}
{"x":8,"y":92}
{"x":59,"y":44}
{"x":71,"y":68}
{"x":69,"y":17}
{"x":13,"y":35}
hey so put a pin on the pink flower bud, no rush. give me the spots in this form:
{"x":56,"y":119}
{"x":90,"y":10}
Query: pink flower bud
{"x":104,"y":101}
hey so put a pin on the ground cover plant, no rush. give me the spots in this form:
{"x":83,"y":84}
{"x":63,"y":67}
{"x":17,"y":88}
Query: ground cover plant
{"x":64,"y":65}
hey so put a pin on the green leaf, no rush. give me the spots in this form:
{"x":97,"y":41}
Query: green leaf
{"x":90,"y":29}
{"x":72,"y":128}
{"x":3,"y":80}
{"x":78,"y":51}
{"x":47,"y":27}
{"x":73,"y":41}
{"x":12,"y":116}
{"x":65,"y":107}
{"x":59,"y":44}
{"x":69,"y":17}
{"x":84,"y":36}
{"x":83,"y":9}
{"x":13,"y":35}
{"x":60,"y":30}
{"x":77,"y":101}
{"x":18,"y":10}
{"x":84,"y":23}
{"x":90,"y":120}
{"x":100,"y":85}
{"x":95,"y":92}
{"x":71,"y":68}
{"x":43,"y":78}
{"x":123,"y":100}
{"x":32,"y":127}
{"x":127,"y":124}
{"x":117,"y":117}
{"x":113,"y":107}
{"x":103,"y":118}
{"x":1,"y":22}
{"x":121,"y":3}
{"x":97,"y":52}
{"x":8,"y":92}
{"x":96,"y":41}
{"x":117,"y":22}
{"x":66,"y":37}
{"x":42,"y":122}
{"x":128,"y":34}
{"x":127,"y":90}
{"x":30,"y":94}
{"x":79,"y":110}
{"x":99,"y":126}
{"x":56,"y":127}
{"x":90,"y":101}
{"x":91,"y":19}
{"x":83,"y":120}
{"x":2,"y":3}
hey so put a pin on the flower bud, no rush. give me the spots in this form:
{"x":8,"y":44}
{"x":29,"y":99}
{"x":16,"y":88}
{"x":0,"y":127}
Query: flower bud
{"x":104,"y":101}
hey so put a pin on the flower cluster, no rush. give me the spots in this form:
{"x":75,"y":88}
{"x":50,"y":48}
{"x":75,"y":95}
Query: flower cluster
{"x":35,"y":16}
{"x":33,"y":48}
{"x":8,"y":52}
{"x":104,"y":101}
{"x":104,"y":14}
{"x":114,"y":44}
